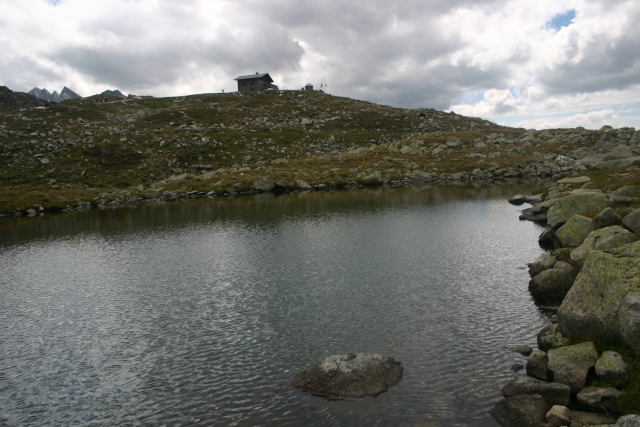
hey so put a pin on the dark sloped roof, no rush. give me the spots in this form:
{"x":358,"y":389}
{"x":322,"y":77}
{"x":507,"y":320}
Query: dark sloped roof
{"x":255,"y":76}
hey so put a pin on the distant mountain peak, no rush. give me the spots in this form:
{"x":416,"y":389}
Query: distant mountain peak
{"x":66,"y":93}
{"x":116,"y":92}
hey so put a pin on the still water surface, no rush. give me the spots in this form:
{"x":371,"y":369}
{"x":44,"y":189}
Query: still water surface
{"x":200,"y":313}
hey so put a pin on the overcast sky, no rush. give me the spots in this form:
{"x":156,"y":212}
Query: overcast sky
{"x":548,"y":63}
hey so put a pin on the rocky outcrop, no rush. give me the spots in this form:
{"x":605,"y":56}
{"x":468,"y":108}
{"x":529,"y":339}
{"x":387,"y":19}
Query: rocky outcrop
{"x":604,"y":301}
{"x":571,"y":364}
{"x":352,"y":375}
{"x":578,"y":204}
{"x":521,"y":411}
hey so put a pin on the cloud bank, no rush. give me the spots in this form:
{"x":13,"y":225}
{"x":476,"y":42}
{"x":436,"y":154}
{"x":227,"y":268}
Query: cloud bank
{"x":543,"y":64}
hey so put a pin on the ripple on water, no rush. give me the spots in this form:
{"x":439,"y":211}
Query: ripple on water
{"x":205,"y":321}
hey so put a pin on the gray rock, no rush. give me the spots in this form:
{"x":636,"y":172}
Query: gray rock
{"x":598,"y":399}
{"x":559,"y":415}
{"x":549,"y":240}
{"x":611,"y":366}
{"x":551,"y":285}
{"x":537,"y":366}
{"x":565,"y":266}
{"x":607,"y":218}
{"x":518,"y":199}
{"x":549,"y":338}
{"x":597,"y":237}
{"x":571,"y":364}
{"x":582,"y":419}
{"x":553,"y":393}
{"x":576,"y":180}
{"x":521,"y":411}
{"x":632,"y":221}
{"x":453,"y":142}
{"x":574,"y":231}
{"x":303,"y":185}
{"x":350,"y":375}
{"x":578,"y":204}
{"x":546,"y":261}
{"x":604,"y":302}
{"x":627,"y":421}
{"x":264,"y":185}
{"x":626,"y":191}
{"x":31,"y":212}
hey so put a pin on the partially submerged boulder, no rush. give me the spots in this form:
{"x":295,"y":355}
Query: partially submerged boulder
{"x":571,"y":364}
{"x":553,"y":393}
{"x":352,"y":375}
{"x":577,"y":204}
{"x":551,"y":285}
{"x":604,"y":301}
{"x":521,"y":411}
{"x":546,"y":261}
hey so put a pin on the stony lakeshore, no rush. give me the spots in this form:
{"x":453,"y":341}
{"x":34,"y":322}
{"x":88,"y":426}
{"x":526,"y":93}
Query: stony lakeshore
{"x":591,"y":270}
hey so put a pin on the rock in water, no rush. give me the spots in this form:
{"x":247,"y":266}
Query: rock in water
{"x":521,"y":411}
{"x":351,"y":375}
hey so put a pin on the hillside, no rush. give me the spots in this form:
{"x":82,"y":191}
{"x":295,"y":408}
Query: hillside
{"x":88,"y":150}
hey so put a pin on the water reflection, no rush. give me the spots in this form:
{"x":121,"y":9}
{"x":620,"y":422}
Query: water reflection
{"x":200,"y":313}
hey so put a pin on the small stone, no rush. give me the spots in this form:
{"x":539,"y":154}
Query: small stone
{"x":610,"y":366}
{"x":559,"y":416}
{"x":44,"y":161}
{"x":516,"y":367}
{"x":518,"y":199}
{"x":524,"y":350}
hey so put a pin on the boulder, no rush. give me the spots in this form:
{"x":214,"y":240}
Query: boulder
{"x":570,"y":365}
{"x":537,"y":366}
{"x":546,"y":261}
{"x":551,"y":285}
{"x":582,"y":419}
{"x":604,"y":301}
{"x":598,"y":399}
{"x":559,"y":415}
{"x":303,"y":185}
{"x":574,"y":231}
{"x":626,"y":191}
{"x":521,"y":411}
{"x":611,"y":366}
{"x":632,"y":221}
{"x":578,"y":204}
{"x":607,"y":218}
{"x":575,"y":180}
{"x":264,"y":185}
{"x":565,"y":266}
{"x":351,"y":375}
{"x":518,"y":199}
{"x":549,"y":338}
{"x":549,"y":240}
{"x":553,"y":393}
{"x":597,"y":237}
{"x":627,"y":421}
{"x":524,"y":350}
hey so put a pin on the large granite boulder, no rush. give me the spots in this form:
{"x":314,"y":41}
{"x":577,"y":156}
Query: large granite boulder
{"x":546,"y":261}
{"x":571,"y":364}
{"x":604,"y":238}
{"x":607,"y":218}
{"x":552,"y":285}
{"x":574,"y":231}
{"x":521,"y":411}
{"x":604,"y":302}
{"x":351,"y":375}
{"x":611,"y":366}
{"x":553,"y":393}
{"x":598,"y":399}
{"x":577,"y":204}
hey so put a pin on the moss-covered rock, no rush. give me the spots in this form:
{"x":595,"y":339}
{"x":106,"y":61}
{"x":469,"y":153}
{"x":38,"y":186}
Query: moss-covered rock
{"x":570,"y":365}
{"x":607,"y":218}
{"x":595,"y":238}
{"x":632,"y":221}
{"x":604,"y":301}
{"x":574,"y":231}
{"x":578,"y":204}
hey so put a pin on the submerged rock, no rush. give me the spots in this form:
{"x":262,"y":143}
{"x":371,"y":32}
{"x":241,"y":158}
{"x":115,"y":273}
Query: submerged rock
{"x":351,"y":375}
{"x":551,"y":285}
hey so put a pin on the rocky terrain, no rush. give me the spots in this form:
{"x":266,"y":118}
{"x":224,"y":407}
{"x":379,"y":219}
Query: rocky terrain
{"x":105,"y":150}
{"x":587,"y":366}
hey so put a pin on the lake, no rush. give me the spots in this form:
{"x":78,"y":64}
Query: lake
{"x":201,"y":312}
